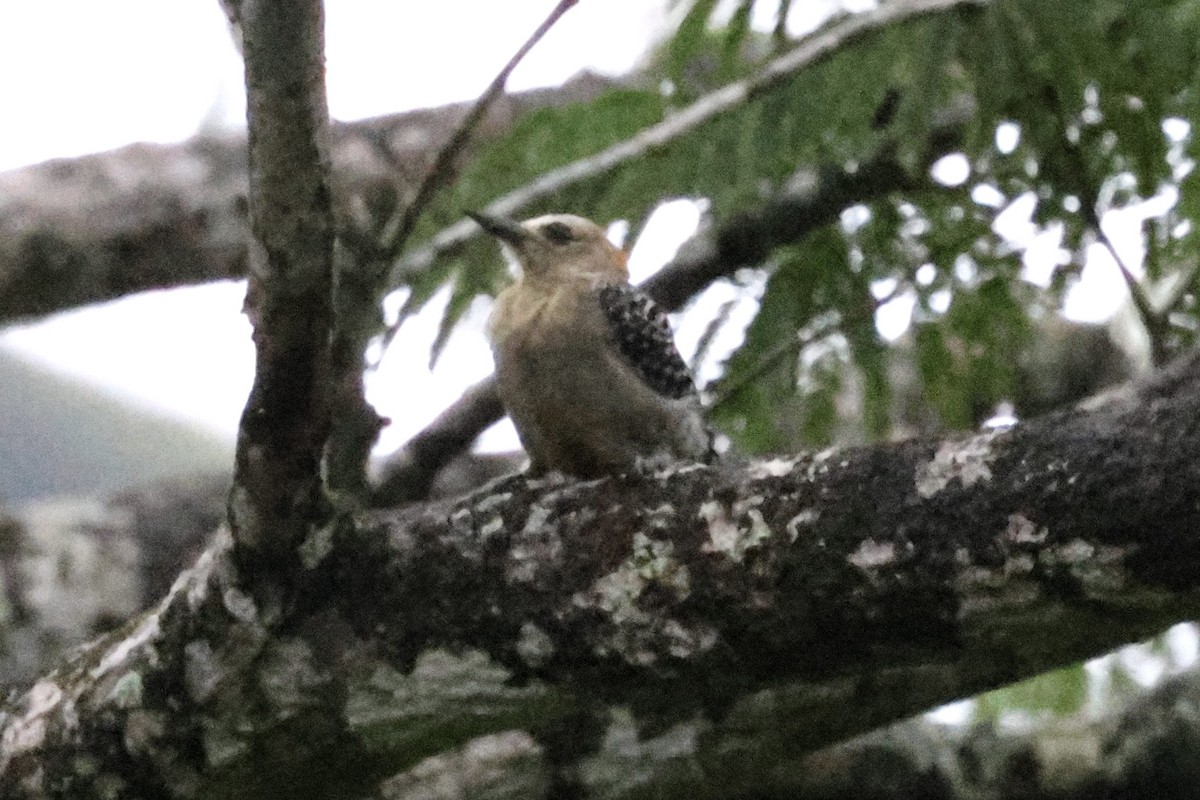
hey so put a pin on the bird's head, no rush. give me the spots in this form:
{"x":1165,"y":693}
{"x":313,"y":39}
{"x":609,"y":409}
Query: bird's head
{"x":558,"y":246}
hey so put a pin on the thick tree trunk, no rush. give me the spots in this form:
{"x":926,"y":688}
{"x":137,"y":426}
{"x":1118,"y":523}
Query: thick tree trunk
{"x":700,"y":629}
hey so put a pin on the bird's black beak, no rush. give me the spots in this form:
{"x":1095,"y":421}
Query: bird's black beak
{"x":506,"y":230}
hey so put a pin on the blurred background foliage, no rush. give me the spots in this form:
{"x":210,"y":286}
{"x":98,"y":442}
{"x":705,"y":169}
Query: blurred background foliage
{"x":1076,"y":110}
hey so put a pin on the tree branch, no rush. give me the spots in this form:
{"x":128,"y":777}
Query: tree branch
{"x":149,"y":216}
{"x":1153,"y":320}
{"x":277,"y":493}
{"x":710,"y":629}
{"x":76,"y":567}
{"x":441,"y":173}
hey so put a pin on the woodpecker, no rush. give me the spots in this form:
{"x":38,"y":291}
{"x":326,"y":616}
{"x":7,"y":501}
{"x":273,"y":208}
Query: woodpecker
{"x":586,"y":364}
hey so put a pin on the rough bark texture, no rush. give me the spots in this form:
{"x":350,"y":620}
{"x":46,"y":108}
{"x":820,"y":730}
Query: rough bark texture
{"x":74,"y":568}
{"x":695,"y":631}
{"x":82,"y":230}
{"x":277,"y":491}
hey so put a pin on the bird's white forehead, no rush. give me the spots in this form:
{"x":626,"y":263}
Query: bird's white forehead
{"x":577,"y":224}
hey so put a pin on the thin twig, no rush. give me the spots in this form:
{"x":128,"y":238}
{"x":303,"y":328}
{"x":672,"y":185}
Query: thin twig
{"x":779,"y":34}
{"x":714,"y":326}
{"x":791,"y":345}
{"x":1152,"y":320}
{"x":441,"y":172}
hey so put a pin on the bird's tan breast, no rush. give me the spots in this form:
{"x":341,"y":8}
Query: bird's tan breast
{"x":577,"y":404}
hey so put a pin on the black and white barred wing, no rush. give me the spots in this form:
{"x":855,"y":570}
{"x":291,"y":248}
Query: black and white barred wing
{"x":644,"y":337}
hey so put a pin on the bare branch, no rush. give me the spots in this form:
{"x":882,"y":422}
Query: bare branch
{"x":277,"y":493}
{"x":410,"y":472}
{"x":442,"y":171}
{"x":153,"y":216}
{"x":1152,"y":320}
{"x":677,"y":619}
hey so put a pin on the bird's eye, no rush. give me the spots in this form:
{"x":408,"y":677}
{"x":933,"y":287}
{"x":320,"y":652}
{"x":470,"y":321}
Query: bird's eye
{"x":557,"y":232}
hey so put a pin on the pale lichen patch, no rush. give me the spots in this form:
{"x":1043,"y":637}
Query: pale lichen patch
{"x":996,"y":594}
{"x":222,"y":745}
{"x":534,"y":645}
{"x":28,"y":731}
{"x":146,"y":630}
{"x":770,"y":468}
{"x":872,"y":554}
{"x":201,"y":670}
{"x":240,"y":605}
{"x":491,"y":527}
{"x":650,"y":562}
{"x":966,"y":460}
{"x":196,"y":580}
{"x":683,"y":642}
{"x":805,"y":518}
{"x":1074,"y":551}
{"x":127,"y":691}
{"x":534,"y":548}
{"x":1099,"y":569}
{"x":507,"y":764}
{"x":1022,"y":530}
{"x":820,"y":463}
{"x":1019,"y":564}
{"x":639,"y":636}
{"x":491,"y":502}
{"x":660,"y":517}
{"x":316,"y":545}
{"x":460,"y":522}
{"x":725,"y":535}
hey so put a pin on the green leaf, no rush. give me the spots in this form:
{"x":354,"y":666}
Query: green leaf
{"x":1061,"y":693}
{"x":940,"y":376}
{"x":735,"y":36}
{"x":688,"y":38}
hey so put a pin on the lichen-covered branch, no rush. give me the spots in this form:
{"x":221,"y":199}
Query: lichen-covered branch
{"x":277,"y":493}
{"x":695,"y":630}
{"x":72,"y":568}
{"x":84,"y":230}
{"x":153,"y":216}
